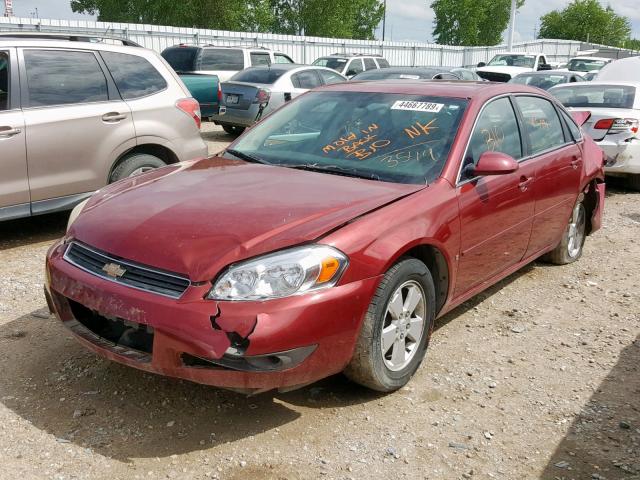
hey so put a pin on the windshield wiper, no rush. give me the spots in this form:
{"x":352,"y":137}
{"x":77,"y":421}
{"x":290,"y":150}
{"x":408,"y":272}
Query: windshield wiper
{"x":247,"y":157}
{"x":334,"y":170}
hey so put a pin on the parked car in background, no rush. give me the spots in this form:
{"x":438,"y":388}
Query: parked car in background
{"x":352,"y":63}
{"x":504,"y":66}
{"x":625,"y":69}
{"x":329,"y":236}
{"x":257,"y":91}
{"x":614,"y":122}
{"x":415,"y":73}
{"x":546,"y":80}
{"x":76,"y":114}
{"x":584,"y":65}
{"x":224,"y":62}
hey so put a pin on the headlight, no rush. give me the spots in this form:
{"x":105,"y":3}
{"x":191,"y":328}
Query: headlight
{"x":289,"y":272}
{"x":75,"y":212}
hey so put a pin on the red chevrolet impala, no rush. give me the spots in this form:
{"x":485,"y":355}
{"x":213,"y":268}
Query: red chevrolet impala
{"x":328,"y":237}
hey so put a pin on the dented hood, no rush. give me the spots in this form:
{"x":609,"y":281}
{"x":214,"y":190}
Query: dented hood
{"x":195,"y":218}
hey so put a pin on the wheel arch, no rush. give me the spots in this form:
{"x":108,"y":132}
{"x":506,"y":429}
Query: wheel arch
{"x":162,"y":152}
{"x":438,"y":263}
{"x":590,"y":200}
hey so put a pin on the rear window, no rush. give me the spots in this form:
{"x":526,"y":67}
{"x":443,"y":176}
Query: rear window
{"x":606,"y":96}
{"x":544,"y":82}
{"x":331,"y":62}
{"x":225,"y":59}
{"x":258,"y":75}
{"x":181,"y":59}
{"x":135,"y":77}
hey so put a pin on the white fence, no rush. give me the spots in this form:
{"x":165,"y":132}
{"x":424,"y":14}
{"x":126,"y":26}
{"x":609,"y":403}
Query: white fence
{"x":305,"y":49}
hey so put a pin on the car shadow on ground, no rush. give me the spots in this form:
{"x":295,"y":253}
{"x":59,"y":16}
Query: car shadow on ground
{"x":28,"y":231}
{"x":603,"y":442}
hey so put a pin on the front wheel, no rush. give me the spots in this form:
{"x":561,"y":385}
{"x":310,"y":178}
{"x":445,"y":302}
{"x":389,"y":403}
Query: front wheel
{"x":570,"y":247}
{"x":396,"y":328}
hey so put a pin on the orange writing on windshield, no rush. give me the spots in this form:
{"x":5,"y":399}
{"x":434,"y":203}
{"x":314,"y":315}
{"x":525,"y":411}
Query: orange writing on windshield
{"x":418,"y":129}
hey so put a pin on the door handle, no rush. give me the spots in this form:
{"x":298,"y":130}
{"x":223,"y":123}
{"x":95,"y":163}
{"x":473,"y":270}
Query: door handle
{"x":113,"y":117}
{"x":575,"y":162}
{"x":6,"y":132}
{"x":524,"y":183}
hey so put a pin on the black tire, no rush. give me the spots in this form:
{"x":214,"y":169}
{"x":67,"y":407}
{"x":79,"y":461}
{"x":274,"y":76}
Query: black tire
{"x":233,"y":130}
{"x":633,"y":182}
{"x":367,"y":366}
{"x":134,"y":162}
{"x":566,"y":251}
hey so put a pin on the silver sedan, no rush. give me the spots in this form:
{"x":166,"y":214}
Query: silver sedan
{"x":256,"y":91}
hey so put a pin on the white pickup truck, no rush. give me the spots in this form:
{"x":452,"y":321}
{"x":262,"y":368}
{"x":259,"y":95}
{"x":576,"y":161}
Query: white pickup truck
{"x":504,"y":66}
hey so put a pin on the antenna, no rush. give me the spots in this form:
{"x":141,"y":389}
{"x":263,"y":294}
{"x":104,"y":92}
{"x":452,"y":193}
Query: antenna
{"x":8,"y":8}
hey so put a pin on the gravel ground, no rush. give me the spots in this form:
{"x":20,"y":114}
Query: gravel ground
{"x":538,"y":377}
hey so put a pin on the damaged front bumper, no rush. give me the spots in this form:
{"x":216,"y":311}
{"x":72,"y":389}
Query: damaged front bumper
{"x":245,"y":346}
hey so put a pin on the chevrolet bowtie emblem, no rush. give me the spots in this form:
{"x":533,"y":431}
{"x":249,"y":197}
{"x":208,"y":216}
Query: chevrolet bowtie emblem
{"x":114,"y":270}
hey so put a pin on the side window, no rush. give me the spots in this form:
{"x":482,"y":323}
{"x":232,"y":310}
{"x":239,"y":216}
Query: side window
{"x":496,"y":130}
{"x":329,"y":77}
{"x":542,"y":125}
{"x":259,"y":59}
{"x":369,"y":64}
{"x":282,"y":58}
{"x":135,"y":77}
{"x":446,"y":76}
{"x":355,"y":67}
{"x":4,"y":81}
{"x":573,"y":128}
{"x":383,"y":63}
{"x":306,"y":79}
{"x":58,"y":77}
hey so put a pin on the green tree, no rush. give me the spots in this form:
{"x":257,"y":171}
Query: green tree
{"x":325,"y":18}
{"x":470,"y":22}
{"x":586,"y":20}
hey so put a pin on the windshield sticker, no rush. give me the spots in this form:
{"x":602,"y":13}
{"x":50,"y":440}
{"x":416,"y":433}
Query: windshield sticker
{"x":417,"y":106}
{"x":418,"y":129}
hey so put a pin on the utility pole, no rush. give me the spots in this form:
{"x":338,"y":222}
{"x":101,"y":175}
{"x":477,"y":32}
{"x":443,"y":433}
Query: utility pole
{"x":8,"y":8}
{"x":512,"y":25}
{"x":384,"y":21}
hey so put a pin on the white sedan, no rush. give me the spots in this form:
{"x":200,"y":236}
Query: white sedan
{"x":614,"y":122}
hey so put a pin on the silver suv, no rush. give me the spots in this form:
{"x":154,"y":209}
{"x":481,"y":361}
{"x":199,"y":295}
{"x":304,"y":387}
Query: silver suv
{"x":76,"y":114}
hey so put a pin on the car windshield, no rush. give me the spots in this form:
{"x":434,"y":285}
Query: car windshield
{"x":331,"y":62}
{"x":258,"y":75}
{"x":544,"y":82}
{"x":605,"y":96}
{"x":585,"y":65}
{"x":381,"y":136}
{"x":181,"y":59}
{"x":527,"y":61}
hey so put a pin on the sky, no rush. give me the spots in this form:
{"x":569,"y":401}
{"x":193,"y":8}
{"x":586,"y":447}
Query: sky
{"x":407,"y":20}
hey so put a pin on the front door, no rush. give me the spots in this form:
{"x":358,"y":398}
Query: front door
{"x":14,"y":183}
{"x":496,"y":212}
{"x":75,"y":121}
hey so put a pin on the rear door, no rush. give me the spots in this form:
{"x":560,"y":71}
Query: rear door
{"x":496,"y":211}
{"x":558,"y":162}
{"x":14,"y":184}
{"x":355,"y":67}
{"x":75,"y":123}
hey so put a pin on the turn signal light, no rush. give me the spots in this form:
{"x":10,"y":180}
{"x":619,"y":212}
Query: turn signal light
{"x":330,"y":265}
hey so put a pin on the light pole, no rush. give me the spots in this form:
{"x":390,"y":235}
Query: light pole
{"x":512,"y":25}
{"x":384,"y":21}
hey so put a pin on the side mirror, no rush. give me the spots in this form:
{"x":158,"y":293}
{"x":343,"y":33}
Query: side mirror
{"x":493,"y":163}
{"x":482,"y":64}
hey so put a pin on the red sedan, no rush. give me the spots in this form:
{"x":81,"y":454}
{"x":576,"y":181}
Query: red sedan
{"x":330,"y":236}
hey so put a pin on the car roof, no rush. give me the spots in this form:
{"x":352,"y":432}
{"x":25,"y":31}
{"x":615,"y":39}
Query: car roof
{"x":280,"y":66}
{"x":438,"y":88}
{"x":543,"y":73}
{"x":587,"y":57}
{"x":518,"y":53}
{"x":77,"y":45}
{"x":621,"y":83}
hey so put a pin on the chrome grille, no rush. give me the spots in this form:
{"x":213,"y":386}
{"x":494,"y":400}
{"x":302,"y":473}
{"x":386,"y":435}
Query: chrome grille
{"x":125,"y":272}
